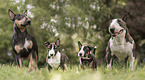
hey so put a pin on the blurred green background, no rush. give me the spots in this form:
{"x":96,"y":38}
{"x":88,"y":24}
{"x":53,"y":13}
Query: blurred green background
{"x":72,"y":21}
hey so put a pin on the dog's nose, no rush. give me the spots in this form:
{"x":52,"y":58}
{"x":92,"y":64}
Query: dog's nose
{"x":51,"y":54}
{"x":112,"y":30}
{"x":80,"y":54}
{"x":29,"y":22}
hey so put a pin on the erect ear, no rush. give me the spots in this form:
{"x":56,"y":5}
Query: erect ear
{"x":25,"y":12}
{"x":90,"y":48}
{"x":57,"y":42}
{"x":124,"y":18}
{"x":11,"y":15}
{"x":79,"y":44}
{"x":47,"y":43}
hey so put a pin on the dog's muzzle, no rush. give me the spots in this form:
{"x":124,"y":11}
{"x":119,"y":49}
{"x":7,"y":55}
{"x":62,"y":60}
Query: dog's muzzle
{"x":28,"y":22}
{"x":80,"y":54}
{"x":114,"y":33}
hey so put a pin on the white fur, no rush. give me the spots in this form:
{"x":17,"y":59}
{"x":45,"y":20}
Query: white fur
{"x":114,"y":24}
{"x":81,"y":51}
{"x":119,"y":46}
{"x":54,"y":61}
{"x":51,"y":51}
{"x":26,"y":44}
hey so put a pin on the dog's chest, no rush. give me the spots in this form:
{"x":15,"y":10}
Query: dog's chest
{"x":55,"y":60}
{"x":120,"y":48}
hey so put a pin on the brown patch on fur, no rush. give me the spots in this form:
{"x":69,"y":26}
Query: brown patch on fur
{"x":31,"y":44}
{"x":31,"y":63}
{"x":18,"y":48}
{"x":127,"y":36}
{"x":19,"y":22}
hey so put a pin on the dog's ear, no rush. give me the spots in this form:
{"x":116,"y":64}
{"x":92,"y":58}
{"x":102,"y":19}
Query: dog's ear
{"x":90,"y":48}
{"x":47,"y":43}
{"x":25,"y":12}
{"x":124,"y":18}
{"x":94,"y":50}
{"x":57,"y":42}
{"x":11,"y":15}
{"x":79,"y":44}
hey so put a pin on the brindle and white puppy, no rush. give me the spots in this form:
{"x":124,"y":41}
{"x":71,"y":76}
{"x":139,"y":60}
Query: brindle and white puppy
{"x":121,"y":44}
{"x":54,"y":58}
{"x":86,"y":57}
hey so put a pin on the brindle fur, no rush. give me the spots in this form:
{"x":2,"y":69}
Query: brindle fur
{"x":128,"y":38}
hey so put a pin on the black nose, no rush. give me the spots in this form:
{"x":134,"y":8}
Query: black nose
{"x":51,"y":54}
{"x":80,"y":54}
{"x":112,"y":30}
{"x":29,"y":22}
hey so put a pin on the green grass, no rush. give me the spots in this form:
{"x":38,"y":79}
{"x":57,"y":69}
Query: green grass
{"x":9,"y":72}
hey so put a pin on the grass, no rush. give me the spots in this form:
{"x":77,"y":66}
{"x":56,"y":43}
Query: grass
{"x":10,"y":72}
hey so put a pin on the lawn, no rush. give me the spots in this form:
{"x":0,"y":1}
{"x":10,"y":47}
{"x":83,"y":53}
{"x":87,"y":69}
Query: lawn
{"x":12,"y":72}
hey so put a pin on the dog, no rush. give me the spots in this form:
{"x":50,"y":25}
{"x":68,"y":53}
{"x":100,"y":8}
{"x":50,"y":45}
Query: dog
{"x":23,"y":44}
{"x":86,"y":57}
{"x":54,"y":58}
{"x":121,"y":44}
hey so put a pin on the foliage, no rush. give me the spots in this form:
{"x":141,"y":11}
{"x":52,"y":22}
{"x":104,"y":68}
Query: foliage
{"x":69,"y":20}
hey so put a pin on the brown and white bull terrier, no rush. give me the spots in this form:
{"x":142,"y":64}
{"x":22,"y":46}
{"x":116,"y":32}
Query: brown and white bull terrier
{"x":23,"y":44}
{"x":54,"y":58}
{"x":121,"y":44}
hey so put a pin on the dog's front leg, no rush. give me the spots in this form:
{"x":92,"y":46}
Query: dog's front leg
{"x":62,"y":66}
{"x":49,"y":67}
{"x":131,"y":62}
{"x":36,"y":66}
{"x":95,"y":65}
{"x":109,"y":65}
{"x":20,"y":61}
{"x":30,"y":63}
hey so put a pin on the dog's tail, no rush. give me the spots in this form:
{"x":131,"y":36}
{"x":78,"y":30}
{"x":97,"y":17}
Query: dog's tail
{"x":94,"y":50}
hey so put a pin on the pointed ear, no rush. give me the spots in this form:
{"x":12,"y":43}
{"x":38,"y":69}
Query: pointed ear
{"x":124,"y":18}
{"x":57,"y":42}
{"x":79,"y":44}
{"x":11,"y":15}
{"x":47,"y":43}
{"x":110,"y":17}
{"x":25,"y":12}
{"x":90,"y":47}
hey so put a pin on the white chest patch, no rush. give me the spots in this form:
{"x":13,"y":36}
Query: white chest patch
{"x":26,"y":44}
{"x":54,"y":61}
{"x":120,"y":47}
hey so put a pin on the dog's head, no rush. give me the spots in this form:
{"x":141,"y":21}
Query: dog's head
{"x":118,"y":26}
{"x":52,"y":48}
{"x":21,"y":20}
{"x":84,"y":51}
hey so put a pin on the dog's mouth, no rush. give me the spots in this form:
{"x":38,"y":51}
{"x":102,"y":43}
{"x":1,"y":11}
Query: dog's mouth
{"x":26,"y":23}
{"x":114,"y":34}
{"x":85,"y":57}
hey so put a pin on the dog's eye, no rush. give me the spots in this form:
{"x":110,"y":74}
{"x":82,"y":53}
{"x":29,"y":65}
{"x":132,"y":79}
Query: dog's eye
{"x":119,"y":21}
{"x":48,"y":48}
{"x":19,"y":18}
{"x":55,"y":47}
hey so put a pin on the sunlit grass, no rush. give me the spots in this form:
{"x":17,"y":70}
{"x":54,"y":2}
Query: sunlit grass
{"x":9,"y":72}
